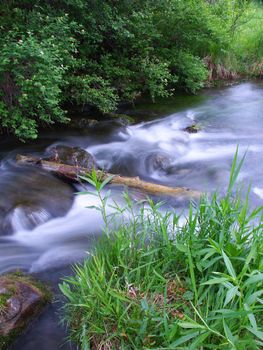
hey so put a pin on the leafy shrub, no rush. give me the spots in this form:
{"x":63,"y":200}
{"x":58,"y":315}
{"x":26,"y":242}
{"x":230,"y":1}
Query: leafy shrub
{"x":30,"y":81}
{"x":95,"y":91}
{"x":33,"y":67}
{"x":191,"y":71}
{"x":101,"y":52}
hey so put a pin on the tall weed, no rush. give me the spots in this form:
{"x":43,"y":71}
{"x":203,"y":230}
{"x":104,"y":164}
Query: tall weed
{"x":158,"y":283}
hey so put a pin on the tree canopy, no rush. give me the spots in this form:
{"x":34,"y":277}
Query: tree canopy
{"x":102,"y":52}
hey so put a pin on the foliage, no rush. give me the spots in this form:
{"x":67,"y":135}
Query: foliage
{"x":31,"y":77}
{"x":242,"y":21}
{"x":156,"y":282}
{"x":33,"y":66}
{"x":95,"y":91}
{"x":248,"y":41}
{"x":190,"y":70}
{"x":101,"y":52}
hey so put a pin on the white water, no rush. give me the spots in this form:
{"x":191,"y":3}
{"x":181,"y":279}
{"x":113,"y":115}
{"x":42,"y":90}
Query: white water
{"x":229,"y":117}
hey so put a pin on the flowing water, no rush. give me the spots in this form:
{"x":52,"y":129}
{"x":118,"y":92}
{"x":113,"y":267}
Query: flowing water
{"x":44,"y":226}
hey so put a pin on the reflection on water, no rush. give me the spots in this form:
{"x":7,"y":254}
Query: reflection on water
{"x":47,"y":230}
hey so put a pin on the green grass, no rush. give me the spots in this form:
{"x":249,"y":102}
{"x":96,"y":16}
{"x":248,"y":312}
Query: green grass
{"x":158,"y":283}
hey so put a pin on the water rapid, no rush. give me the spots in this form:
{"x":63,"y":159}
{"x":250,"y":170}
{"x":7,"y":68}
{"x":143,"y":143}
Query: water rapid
{"x":45,"y":226}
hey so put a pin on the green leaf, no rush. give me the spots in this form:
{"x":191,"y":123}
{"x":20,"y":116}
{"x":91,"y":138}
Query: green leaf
{"x":199,"y":341}
{"x":161,"y":278}
{"x":181,"y":247}
{"x":250,"y":299}
{"x":256,"y":332}
{"x":88,"y":179}
{"x":193,"y":325}
{"x":229,"y":265}
{"x":251,"y":317}
{"x":231,"y":293}
{"x":209,"y":263}
{"x":183,"y":340}
{"x":254,"y":279}
{"x":83,"y":193}
{"x":235,"y":170}
{"x":251,"y":255}
{"x":93,"y":207}
{"x":106,"y":181}
{"x":229,"y":334}
{"x":218,"y":280}
{"x":118,"y":296}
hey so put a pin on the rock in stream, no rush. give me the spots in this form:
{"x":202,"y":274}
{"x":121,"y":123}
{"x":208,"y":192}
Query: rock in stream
{"x":29,"y":197}
{"x":21,"y":299}
{"x":74,"y":156}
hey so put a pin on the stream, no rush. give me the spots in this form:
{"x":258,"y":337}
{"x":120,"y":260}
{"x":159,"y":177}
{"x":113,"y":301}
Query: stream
{"x":45,"y":226}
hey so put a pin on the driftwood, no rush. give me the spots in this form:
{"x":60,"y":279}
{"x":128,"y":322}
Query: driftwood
{"x":73,"y":172}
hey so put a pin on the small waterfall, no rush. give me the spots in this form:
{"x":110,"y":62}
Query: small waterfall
{"x":22,"y":218}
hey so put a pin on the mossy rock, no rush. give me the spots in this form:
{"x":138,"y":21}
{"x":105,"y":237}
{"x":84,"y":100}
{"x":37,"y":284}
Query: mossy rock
{"x":22,"y":298}
{"x":74,"y":156}
{"x":193,"y":129}
{"x":83,"y":123}
{"x":122,"y":119}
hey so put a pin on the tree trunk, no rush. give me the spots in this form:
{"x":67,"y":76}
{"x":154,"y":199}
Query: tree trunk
{"x":73,"y":172}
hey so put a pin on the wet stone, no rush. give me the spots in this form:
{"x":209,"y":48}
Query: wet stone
{"x":21,"y":299}
{"x":83,"y":123}
{"x":192,"y":129}
{"x":29,"y":197}
{"x":158,"y":162}
{"x":74,"y":156}
{"x":13,"y":307}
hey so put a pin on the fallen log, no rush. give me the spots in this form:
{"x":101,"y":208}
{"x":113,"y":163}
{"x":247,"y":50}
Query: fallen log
{"x":73,"y":172}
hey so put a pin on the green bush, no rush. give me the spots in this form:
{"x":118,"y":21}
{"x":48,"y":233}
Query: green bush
{"x":102,"y":52}
{"x":191,"y":71}
{"x":33,"y":67}
{"x":240,"y":27}
{"x":95,"y":91}
{"x":31,"y":80}
{"x":155,"y":282}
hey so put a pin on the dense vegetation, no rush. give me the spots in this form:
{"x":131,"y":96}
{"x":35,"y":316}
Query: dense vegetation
{"x":157,"y":282}
{"x":101,"y":52}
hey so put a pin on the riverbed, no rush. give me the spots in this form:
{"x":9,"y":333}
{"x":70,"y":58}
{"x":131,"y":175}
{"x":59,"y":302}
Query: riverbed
{"x":45,"y":226}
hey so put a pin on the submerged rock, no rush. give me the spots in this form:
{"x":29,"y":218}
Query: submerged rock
{"x":75,"y":156}
{"x":90,"y":122}
{"x":192,"y":129}
{"x":29,"y":197}
{"x":21,"y":299}
{"x":158,"y":162}
{"x":83,"y":123}
{"x":120,"y":119}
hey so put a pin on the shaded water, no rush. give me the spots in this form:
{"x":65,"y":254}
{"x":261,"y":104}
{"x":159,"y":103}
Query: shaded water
{"x":44,"y":227}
